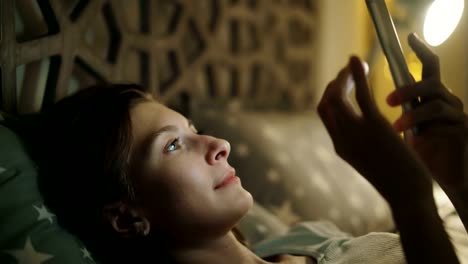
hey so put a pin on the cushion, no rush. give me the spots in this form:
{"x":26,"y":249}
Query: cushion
{"x":260,"y":224}
{"x":288,"y":163}
{"x":29,"y":232}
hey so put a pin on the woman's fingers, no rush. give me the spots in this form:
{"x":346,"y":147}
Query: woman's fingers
{"x":335,"y":95}
{"x":430,"y":61}
{"x":363,"y":96}
{"x":427,"y":90}
{"x":334,"y":108}
{"x":328,"y":119}
{"x":330,"y":91}
{"x":436,"y":110}
{"x":326,"y":106}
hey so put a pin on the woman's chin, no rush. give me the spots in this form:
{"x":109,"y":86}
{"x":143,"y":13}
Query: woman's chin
{"x":250,"y":200}
{"x":245,"y":203}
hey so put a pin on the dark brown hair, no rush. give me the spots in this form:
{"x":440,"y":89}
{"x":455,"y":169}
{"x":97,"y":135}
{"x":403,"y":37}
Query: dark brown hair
{"x":83,"y":156}
{"x":82,"y":145}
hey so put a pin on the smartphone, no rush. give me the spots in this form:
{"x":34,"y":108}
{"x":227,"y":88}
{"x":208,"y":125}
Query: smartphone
{"x":391,"y":46}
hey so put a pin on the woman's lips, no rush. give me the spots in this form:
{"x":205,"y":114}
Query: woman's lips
{"x":228,"y":179}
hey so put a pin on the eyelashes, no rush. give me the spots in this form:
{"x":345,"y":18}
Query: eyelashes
{"x":174,"y":145}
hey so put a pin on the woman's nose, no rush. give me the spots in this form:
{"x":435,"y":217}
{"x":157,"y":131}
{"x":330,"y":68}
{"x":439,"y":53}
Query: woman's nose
{"x":218,"y":150}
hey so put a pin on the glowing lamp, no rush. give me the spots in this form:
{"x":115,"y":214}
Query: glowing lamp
{"x":441,"y":20}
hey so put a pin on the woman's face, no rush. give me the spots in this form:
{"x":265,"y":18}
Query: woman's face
{"x":184,"y":183}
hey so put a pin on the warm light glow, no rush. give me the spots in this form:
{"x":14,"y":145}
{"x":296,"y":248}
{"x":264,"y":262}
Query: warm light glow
{"x":414,"y":66}
{"x":441,"y":20}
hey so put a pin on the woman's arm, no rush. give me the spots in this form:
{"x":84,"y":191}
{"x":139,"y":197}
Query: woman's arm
{"x":422,"y":234}
{"x":442,"y":141}
{"x":368,"y":142}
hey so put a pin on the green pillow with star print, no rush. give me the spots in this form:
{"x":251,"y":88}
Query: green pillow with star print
{"x":29,"y":233}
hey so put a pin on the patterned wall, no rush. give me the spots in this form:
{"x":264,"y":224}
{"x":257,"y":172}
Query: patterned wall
{"x":260,"y":52}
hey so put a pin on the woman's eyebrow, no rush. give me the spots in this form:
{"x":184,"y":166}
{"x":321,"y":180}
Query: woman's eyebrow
{"x":148,"y":141}
{"x":151,"y":139}
{"x":190,"y":123}
{"x":169,"y":128}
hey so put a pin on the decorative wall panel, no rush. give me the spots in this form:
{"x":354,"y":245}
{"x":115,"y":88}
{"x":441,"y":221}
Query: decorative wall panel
{"x":258,"y":52}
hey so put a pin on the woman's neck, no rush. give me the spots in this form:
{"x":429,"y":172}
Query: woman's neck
{"x":226,"y":249}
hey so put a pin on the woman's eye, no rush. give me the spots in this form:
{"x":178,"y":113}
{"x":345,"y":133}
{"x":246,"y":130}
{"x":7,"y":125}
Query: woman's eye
{"x":174,"y":145}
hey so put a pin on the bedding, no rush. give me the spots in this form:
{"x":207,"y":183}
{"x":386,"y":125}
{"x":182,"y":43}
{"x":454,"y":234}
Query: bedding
{"x":29,"y":232}
{"x":328,"y":245}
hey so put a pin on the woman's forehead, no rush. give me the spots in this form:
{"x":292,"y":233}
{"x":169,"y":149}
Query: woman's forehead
{"x":151,"y":115}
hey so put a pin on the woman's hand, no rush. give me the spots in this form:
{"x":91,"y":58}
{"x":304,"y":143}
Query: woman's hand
{"x":369,"y":143}
{"x":442,"y":139}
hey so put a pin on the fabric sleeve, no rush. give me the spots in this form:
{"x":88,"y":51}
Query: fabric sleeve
{"x":371,"y":248}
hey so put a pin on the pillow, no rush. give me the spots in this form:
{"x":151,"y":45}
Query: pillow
{"x":288,"y":163}
{"x":260,"y":224}
{"x":29,"y":232}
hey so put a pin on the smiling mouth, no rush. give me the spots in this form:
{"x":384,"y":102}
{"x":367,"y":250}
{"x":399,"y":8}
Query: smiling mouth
{"x":228,"y":180}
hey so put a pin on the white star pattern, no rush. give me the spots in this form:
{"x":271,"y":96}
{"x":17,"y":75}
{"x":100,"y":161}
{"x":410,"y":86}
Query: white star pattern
{"x":44,"y":213}
{"x":286,"y":213}
{"x":317,"y":181}
{"x":283,"y":158}
{"x":2,"y":170}
{"x":242,"y":150}
{"x":29,"y":255}
{"x":86,"y":253}
{"x":273,"y":176}
{"x":271,"y":133}
{"x":355,"y":201}
{"x":324,"y":154}
{"x":381,"y":212}
{"x":261,"y":228}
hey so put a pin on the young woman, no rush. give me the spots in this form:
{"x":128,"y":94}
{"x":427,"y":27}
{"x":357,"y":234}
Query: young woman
{"x":136,"y":182}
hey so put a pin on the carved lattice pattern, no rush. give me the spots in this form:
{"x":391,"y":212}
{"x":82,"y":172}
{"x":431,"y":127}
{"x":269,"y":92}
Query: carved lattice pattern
{"x":260,"y":52}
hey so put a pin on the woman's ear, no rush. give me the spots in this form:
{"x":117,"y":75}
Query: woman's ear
{"x":126,"y":220}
